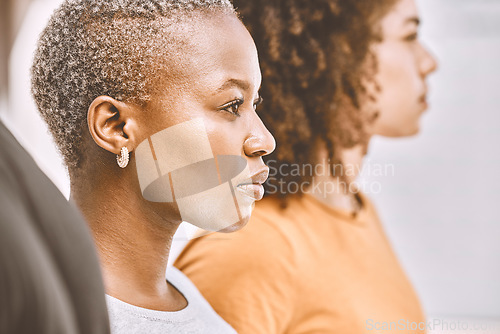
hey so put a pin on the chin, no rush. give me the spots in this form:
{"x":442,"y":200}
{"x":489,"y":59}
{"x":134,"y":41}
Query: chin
{"x":399,"y":131}
{"x":236,"y":226}
{"x":413,"y":133}
{"x":411,"y":130}
{"x":408,"y":133}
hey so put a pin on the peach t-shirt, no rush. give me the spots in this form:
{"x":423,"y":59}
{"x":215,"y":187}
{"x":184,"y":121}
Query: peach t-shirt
{"x":306,"y":269}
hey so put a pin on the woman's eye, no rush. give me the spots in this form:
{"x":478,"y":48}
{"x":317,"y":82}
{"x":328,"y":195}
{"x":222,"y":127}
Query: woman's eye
{"x":232,"y":107}
{"x":257,"y":102}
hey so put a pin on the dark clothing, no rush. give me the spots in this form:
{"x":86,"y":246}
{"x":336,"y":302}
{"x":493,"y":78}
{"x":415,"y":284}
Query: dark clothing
{"x":50,"y":280}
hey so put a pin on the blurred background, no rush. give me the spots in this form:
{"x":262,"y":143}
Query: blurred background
{"x":439,"y":206}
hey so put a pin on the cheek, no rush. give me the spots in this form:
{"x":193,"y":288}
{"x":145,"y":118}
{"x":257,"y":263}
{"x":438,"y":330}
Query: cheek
{"x":177,"y":167}
{"x":397,"y":102}
{"x":397,"y":78}
{"x":225,"y":138}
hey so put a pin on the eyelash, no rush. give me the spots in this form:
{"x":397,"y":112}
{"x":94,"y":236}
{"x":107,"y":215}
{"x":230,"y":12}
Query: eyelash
{"x":258,"y":102}
{"x":233,"y":106}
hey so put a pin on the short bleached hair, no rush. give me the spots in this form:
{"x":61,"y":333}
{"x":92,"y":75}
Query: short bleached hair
{"x":106,"y":47}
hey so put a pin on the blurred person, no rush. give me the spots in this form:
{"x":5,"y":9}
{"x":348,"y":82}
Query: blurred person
{"x":50,"y":280}
{"x":133,"y":88}
{"x":315,"y":257}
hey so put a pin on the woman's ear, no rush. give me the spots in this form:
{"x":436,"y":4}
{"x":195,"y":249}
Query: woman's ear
{"x":112,"y":124}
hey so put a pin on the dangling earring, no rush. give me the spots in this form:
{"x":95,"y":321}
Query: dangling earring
{"x":122,"y":159}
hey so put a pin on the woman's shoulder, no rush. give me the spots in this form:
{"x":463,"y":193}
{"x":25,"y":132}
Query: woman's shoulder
{"x":245,"y":272}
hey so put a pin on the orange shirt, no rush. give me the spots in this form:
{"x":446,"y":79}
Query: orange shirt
{"x":306,"y":269}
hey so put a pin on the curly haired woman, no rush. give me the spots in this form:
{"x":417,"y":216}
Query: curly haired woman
{"x":315,"y":258}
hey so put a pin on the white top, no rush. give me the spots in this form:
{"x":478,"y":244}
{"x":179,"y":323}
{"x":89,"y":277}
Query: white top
{"x":196,"y":318}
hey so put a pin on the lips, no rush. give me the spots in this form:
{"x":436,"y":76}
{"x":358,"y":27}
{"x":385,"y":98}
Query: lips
{"x":254,"y":189}
{"x":423,"y":98}
{"x":423,"y":101}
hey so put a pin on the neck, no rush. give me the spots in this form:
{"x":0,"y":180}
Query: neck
{"x":336,"y":190}
{"x":133,"y":241}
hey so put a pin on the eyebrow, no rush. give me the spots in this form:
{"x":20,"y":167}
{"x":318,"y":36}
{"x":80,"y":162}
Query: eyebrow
{"x":413,"y":19}
{"x":243,"y":85}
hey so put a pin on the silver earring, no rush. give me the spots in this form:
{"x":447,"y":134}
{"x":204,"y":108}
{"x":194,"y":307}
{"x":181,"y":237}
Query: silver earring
{"x":123,"y":158}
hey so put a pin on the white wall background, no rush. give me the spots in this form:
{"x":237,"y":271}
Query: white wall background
{"x":21,"y":112}
{"x":440,"y":206}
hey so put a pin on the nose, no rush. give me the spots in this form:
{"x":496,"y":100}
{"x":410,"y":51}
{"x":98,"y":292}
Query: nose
{"x":428,"y":62}
{"x":260,"y":142}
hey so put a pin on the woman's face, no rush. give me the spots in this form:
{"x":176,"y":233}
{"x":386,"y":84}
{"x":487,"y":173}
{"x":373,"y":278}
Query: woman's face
{"x":403,"y":66}
{"x":215,"y":100}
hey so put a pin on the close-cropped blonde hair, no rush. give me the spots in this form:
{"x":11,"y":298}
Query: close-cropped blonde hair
{"x":117,"y":48}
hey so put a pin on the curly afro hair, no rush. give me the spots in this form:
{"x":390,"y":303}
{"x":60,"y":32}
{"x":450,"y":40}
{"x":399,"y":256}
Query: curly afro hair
{"x":314,"y":57}
{"x":117,"y":48}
